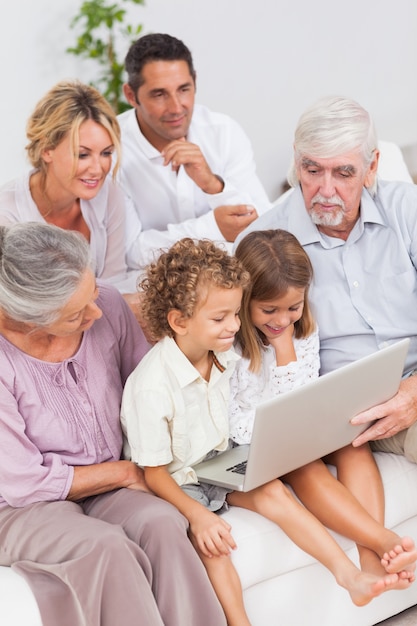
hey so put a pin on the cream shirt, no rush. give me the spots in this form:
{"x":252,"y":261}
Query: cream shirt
{"x":170,"y":415}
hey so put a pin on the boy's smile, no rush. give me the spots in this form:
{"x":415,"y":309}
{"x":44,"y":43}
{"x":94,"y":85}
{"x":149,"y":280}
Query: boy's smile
{"x":213,"y":325}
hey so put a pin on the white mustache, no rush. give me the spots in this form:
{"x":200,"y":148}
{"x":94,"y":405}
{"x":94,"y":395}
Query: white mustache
{"x":319,"y":199}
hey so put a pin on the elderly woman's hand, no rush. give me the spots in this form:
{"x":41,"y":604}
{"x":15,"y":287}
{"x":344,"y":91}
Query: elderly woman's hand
{"x":91,"y":480}
{"x":137,"y":478}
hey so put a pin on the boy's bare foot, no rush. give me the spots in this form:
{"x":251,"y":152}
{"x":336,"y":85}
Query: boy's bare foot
{"x":402,"y":558}
{"x":365,"y":587}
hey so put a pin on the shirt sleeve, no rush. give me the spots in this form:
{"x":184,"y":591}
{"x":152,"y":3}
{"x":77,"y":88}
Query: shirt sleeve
{"x":26,"y":474}
{"x":144,"y":246}
{"x":145,"y":424}
{"x":132,"y":343}
{"x":238,"y":171}
{"x":229,"y":154}
{"x":245,"y":395}
{"x":115,"y":266}
{"x":284,"y":378}
{"x":8,"y":209}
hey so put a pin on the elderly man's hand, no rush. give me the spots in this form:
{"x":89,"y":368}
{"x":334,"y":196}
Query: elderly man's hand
{"x":391,"y":417}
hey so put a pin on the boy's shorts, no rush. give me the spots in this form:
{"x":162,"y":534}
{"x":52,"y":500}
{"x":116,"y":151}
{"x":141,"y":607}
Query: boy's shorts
{"x":210,"y":496}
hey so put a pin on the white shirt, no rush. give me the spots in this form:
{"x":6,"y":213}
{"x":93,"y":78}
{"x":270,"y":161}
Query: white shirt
{"x":171,"y":415}
{"x":248,"y":389}
{"x":104,"y":216}
{"x":364,"y":290}
{"x":170,"y":205}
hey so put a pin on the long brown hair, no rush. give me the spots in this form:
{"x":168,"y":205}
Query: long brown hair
{"x":275,"y":261}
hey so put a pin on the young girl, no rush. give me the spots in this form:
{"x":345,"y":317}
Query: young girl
{"x":279,"y":344}
{"x":175,"y":414}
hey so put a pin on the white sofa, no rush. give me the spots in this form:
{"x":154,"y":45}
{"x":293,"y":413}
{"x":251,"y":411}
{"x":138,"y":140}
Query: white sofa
{"x":283,"y":586}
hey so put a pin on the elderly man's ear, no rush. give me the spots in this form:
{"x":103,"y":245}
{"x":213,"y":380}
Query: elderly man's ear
{"x":372,"y":170}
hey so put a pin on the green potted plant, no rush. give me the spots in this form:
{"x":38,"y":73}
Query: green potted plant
{"x":101,"y":23}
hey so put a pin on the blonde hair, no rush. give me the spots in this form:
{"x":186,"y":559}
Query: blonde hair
{"x":275,"y":261}
{"x":60,"y":113}
{"x":176,"y":280}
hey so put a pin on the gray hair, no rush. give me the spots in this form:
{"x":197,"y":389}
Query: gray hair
{"x":41,"y":267}
{"x":333,"y":126}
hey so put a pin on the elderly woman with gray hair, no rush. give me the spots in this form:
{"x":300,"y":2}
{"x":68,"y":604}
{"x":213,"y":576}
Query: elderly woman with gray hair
{"x":95,"y":546}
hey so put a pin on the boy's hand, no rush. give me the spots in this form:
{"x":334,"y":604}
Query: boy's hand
{"x":211,"y":534}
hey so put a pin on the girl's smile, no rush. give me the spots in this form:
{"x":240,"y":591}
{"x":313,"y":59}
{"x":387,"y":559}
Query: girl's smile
{"x":276,"y":331}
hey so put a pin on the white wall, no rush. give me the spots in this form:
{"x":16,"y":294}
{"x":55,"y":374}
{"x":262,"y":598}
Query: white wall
{"x":260,"y":61}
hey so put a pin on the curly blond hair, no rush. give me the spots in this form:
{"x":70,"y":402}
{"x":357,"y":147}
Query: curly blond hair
{"x":176,"y":281}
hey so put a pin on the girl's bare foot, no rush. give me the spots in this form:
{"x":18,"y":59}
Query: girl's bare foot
{"x":401,"y":558}
{"x":365,"y":587}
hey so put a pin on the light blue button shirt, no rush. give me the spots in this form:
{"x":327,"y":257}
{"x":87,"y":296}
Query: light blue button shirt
{"x":364,"y":291}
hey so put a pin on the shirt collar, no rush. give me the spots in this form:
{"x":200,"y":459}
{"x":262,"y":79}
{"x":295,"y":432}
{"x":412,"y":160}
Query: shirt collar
{"x":145,"y":146}
{"x":370,"y":212}
{"x":183,"y":370}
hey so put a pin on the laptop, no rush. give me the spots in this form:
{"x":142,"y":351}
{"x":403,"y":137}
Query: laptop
{"x":309,"y":422}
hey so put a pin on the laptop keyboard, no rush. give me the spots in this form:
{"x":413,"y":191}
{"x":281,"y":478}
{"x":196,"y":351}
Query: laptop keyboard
{"x":240,"y":468}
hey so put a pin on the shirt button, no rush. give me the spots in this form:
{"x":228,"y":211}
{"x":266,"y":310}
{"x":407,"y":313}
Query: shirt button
{"x":355,"y":283}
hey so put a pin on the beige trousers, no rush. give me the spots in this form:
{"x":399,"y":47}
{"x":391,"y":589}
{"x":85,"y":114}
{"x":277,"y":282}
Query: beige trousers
{"x":118,"y":559}
{"x":404,"y":442}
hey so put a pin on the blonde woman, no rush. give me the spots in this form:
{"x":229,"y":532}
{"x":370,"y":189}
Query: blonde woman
{"x":72,"y":135}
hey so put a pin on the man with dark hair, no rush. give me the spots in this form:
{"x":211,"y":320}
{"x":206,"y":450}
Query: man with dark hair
{"x":155,"y":47}
{"x":186,"y":170}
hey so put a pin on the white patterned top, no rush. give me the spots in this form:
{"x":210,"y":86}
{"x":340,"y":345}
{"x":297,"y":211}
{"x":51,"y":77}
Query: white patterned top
{"x":248,"y":389}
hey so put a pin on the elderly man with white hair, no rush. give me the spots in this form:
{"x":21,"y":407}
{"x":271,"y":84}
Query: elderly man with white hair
{"x":361,"y":235}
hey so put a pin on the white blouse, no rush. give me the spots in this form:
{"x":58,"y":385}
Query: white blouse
{"x":104,"y":215}
{"x":248,"y":389}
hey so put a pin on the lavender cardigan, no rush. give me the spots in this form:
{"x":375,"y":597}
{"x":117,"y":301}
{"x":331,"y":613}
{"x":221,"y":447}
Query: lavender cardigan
{"x":57,"y":415}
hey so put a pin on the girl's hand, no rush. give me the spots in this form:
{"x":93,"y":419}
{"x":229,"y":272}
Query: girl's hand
{"x":283,"y":345}
{"x":211,"y":534}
